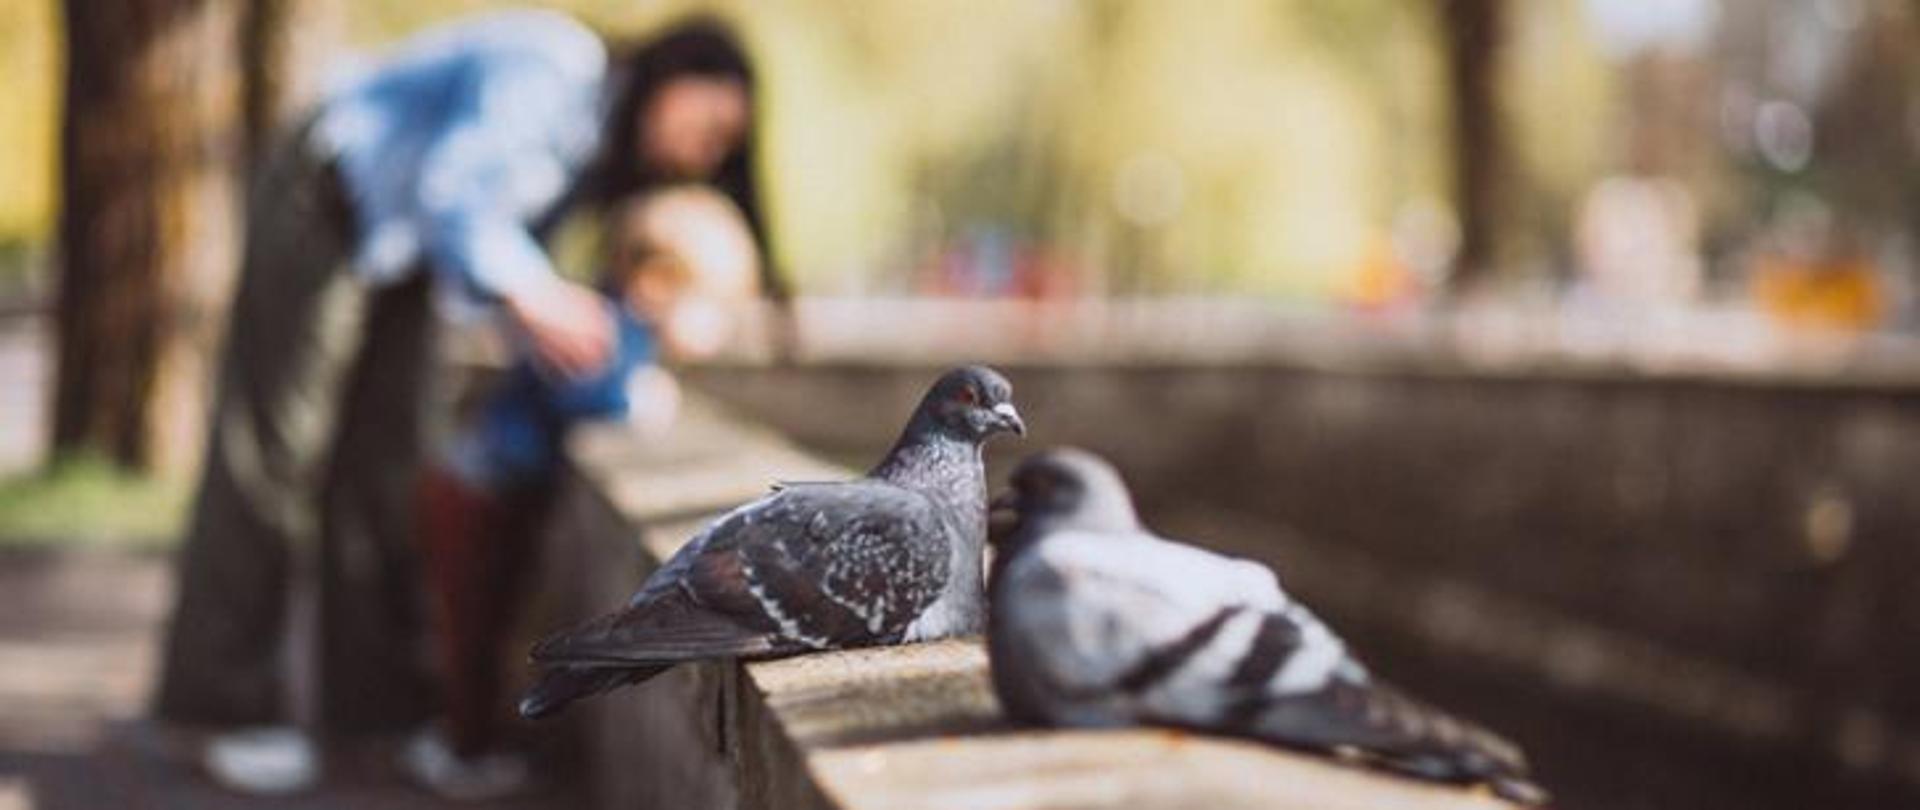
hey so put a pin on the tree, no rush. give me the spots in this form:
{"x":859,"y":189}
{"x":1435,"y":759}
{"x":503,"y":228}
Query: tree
{"x":1472,"y":33}
{"x":146,"y":232}
{"x":164,"y":101}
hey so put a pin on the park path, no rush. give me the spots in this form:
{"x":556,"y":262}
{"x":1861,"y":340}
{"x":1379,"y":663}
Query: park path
{"x":78,"y":636}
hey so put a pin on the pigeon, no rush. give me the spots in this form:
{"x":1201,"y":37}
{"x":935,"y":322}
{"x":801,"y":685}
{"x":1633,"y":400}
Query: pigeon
{"x":1094,"y":621}
{"x":895,"y":556}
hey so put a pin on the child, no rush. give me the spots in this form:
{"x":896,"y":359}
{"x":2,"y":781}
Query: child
{"x":678,"y":257}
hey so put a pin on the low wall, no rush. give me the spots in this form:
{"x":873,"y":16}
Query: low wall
{"x":905,"y":727}
{"x":1701,"y":580}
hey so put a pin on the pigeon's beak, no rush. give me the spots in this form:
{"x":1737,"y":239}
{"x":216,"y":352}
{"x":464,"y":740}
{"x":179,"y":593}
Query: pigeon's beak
{"x":1009,"y":419}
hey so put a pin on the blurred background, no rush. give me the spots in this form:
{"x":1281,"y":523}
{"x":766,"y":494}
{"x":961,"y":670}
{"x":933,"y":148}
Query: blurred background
{"x":1581,"y":332}
{"x":1371,"y":155}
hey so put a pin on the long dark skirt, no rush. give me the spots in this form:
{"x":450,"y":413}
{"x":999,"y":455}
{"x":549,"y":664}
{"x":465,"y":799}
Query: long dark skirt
{"x":297,"y":600}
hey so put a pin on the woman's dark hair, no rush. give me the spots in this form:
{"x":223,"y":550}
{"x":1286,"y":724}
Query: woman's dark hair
{"x":699,"y":46}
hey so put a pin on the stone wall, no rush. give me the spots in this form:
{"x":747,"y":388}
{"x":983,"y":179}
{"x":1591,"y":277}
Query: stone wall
{"x":887,"y":729}
{"x":1714,"y":570}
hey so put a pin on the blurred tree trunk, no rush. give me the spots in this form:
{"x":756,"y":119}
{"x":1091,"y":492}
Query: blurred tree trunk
{"x":146,"y":227}
{"x":1471,"y":31}
{"x":165,"y":99}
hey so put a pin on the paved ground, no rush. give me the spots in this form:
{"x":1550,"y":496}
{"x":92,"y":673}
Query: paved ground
{"x":78,"y":632}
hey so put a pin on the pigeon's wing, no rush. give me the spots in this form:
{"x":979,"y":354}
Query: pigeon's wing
{"x":808,"y":567}
{"x":1104,"y":620}
{"x":1106,"y":628}
{"x":1264,"y":665}
{"x":832,"y":565}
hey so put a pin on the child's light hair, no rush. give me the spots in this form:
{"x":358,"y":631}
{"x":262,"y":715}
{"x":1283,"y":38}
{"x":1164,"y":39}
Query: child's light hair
{"x":690,"y":231}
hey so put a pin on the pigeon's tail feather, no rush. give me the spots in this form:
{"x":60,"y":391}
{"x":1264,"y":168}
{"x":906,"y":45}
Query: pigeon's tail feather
{"x":559,"y":687}
{"x":1396,"y":732}
{"x":630,"y":646}
{"x":668,"y":630}
{"x":1520,"y":791}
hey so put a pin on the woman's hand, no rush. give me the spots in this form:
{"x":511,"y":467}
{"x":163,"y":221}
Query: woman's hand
{"x":568,"y":325}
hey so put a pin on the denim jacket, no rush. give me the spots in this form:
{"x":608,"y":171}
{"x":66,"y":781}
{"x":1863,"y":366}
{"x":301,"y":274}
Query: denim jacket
{"x":461,"y":139}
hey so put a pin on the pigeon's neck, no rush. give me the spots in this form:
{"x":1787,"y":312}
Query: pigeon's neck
{"x":1018,"y":541}
{"x":1035,"y":527}
{"x":945,"y":468}
{"x":948,"y":471}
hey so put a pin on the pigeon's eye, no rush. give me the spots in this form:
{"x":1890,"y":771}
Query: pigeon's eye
{"x":967,"y":396}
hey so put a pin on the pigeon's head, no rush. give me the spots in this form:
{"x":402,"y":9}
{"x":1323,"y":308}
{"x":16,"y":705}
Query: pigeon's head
{"x":972,"y":402}
{"x":1069,"y":488}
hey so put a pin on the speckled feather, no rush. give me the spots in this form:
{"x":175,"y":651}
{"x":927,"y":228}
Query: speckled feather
{"x":894,"y":556}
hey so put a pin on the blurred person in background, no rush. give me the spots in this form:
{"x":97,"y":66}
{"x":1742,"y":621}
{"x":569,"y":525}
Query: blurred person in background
{"x":681,"y":260}
{"x":435,"y":175}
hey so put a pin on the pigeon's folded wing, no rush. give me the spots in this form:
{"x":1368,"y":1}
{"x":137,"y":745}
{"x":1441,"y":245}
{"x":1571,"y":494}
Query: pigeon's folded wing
{"x":1122,"y":612}
{"x":809,"y":567}
{"x":830,"y":565}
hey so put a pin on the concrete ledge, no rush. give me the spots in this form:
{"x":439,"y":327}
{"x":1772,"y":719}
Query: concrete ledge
{"x":1484,"y":340}
{"x":907,"y":727}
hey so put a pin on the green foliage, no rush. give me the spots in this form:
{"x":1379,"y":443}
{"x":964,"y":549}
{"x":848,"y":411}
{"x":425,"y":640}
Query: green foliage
{"x":90,"y":501}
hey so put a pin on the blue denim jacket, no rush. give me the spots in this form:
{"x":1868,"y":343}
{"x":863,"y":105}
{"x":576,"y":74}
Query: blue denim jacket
{"x":461,"y":139}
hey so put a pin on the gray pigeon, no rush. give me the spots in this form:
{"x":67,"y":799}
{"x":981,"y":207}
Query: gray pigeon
{"x":892,"y":557}
{"x":1095,"y":621}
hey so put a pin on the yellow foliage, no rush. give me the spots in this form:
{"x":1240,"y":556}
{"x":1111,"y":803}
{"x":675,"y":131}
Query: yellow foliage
{"x":1557,"y":87}
{"x":1232,"y":145}
{"x":30,"y":75}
